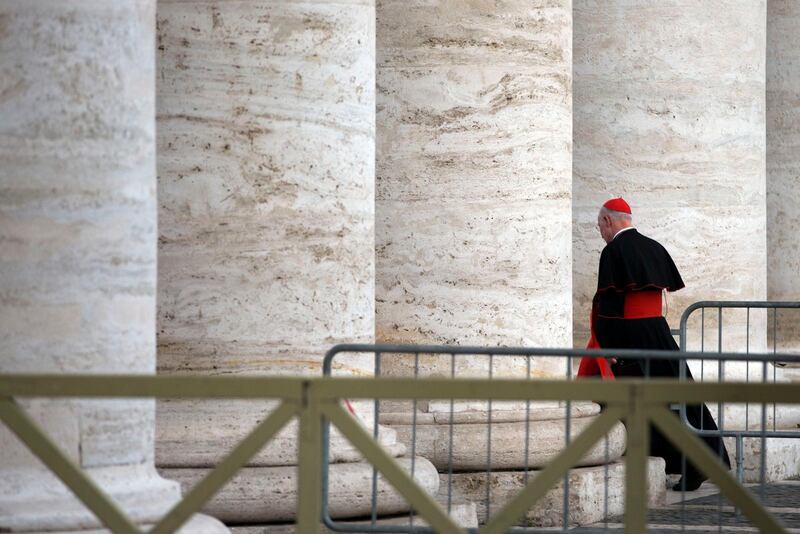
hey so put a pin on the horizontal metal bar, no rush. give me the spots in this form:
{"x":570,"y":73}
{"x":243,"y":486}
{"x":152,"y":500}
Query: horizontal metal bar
{"x":291,"y":388}
{"x":664,"y":391}
{"x":743,"y":304}
{"x":654,"y":391}
{"x":632,"y":354}
{"x":723,"y":304}
{"x":91,"y":385}
{"x":786,"y":434}
{"x":468,"y":389}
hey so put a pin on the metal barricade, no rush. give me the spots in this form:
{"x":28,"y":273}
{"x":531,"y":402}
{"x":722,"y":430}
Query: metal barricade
{"x":447,"y":358}
{"x":318,"y":401}
{"x":768,"y":330}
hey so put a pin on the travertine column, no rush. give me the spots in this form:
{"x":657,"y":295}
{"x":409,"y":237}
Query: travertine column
{"x":78,"y":253}
{"x":474,"y":175}
{"x":266,"y":183}
{"x":473,"y":211}
{"x":669,"y":113}
{"x":783,"y":164}
{"x":266,"y":163}
{"x":266,"y":136}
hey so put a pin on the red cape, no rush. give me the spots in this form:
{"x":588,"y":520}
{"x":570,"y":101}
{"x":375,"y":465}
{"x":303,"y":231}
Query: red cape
{"x":591,"y":366}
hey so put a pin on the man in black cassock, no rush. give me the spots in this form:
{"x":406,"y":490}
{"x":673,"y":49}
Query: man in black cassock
{"x":634,"y":271}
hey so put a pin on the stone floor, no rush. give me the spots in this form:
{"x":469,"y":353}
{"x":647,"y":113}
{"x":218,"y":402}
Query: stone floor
{"x":705,"y":511}
{"x":700,"y":512}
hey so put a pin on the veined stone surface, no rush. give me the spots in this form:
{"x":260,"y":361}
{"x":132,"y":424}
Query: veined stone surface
{"x":78,"y":254}
{"x":477,"y":412}
{"x":202,"y":433}
{"x":266,"y":183}
{"x":782,"y":459}
{"x":462,"y":512}
{"x":474,"y":175}
{"x":783,"y":164}
{"x":472,"y":449}
{"x":669,"y":112}
{"x":266,"y":199}
{"x":588,"y":498}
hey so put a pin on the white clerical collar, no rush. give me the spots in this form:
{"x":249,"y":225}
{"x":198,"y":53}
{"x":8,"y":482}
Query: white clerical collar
{"x":623,"y":230}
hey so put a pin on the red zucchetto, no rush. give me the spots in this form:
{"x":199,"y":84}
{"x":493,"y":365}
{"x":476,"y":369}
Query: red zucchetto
{"x":618,"y":204}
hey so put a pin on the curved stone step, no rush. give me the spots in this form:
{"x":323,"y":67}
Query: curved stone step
{"x":782,"y":458}
{"x":269,"y":494}
{"x":587,"y":496}
{"x":545,"y":440}
{"x":464,"y":515}
{"x":195,"y":433}
{"x":400,"y":413}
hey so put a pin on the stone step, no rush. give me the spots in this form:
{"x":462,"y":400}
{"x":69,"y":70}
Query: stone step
{"x":463,"y":514}
{"x":269,"y":494}
{"x":469,"y":440}
{"x":586,"y":497}
{"x":400,"y":412}
{"x":737,"y":416}
{"x":782,"y":458}
{"x":194,"y":433}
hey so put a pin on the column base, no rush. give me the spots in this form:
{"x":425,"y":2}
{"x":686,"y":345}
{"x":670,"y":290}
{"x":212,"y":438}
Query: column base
{"x":48,"y":505}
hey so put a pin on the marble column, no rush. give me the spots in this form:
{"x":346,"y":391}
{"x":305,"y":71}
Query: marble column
{"x":669,"y":113}
{"x":78,"y":254}
{"x":783,"y":165}
{"x":473,"y":198}
{"x":473,"y":211}
{"x":266,"y":137}
{"x":266,"y":143}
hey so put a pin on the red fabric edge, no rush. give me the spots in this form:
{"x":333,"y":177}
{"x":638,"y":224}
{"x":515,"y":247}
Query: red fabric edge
{"x":590,"y":365}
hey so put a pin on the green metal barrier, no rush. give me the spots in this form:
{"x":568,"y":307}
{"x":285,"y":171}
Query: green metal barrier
{"x":313,"y":400}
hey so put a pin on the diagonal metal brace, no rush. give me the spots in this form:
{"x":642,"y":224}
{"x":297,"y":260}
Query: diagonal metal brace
{"x":403,"y":483}
{"x":708,"y":463}
{"x":547,"y":478}
{"x":226,"y":469}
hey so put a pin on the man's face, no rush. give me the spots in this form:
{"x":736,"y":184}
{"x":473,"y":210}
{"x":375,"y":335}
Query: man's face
{"x":604,"y":225}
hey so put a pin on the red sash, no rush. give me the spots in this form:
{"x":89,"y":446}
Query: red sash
{"x":642,"y":304}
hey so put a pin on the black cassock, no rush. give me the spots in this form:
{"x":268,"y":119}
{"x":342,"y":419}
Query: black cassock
{"x":633,"y":263}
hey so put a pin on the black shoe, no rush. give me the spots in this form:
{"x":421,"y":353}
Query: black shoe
{"x":692,"y":482}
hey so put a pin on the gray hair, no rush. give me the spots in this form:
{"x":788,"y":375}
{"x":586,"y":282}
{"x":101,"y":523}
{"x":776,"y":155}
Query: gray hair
{"x":618,"y":215}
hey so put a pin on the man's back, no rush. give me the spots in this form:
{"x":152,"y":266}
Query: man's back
{"x":633,"y":262}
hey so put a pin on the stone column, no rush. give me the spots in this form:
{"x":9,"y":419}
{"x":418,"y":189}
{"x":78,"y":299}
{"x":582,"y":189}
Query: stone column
{"x":783,"y":216}
{"x":473,"y":211}
{"x":669,"y":113}
{"x":474,"y":174}
{"x":783,"y":164}
{"x":78,"y":254}
{"x":266,"y":132}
